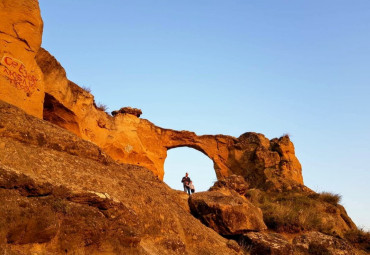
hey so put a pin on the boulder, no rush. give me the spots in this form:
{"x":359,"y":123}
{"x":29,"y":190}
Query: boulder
{"x":233,"y":182}
{"x":226,"y":214}
{"x":128,"y":110}
{"x":266,"y":244}
{"x":313,"y":241}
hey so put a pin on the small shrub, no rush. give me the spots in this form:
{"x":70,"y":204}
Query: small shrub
{"x":330,"y":198}
{"x":88,"y":89}
{"x":102,"y":107}
{"x":285,"y":135}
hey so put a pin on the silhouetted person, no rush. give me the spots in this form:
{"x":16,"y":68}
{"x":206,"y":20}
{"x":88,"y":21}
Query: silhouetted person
{"x":186,"y":182}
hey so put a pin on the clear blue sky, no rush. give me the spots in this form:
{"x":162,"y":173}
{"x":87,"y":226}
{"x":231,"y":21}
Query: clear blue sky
{"x":210,"y":66}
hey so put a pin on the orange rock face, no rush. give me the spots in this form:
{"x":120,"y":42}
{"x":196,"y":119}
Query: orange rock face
{"x":130,"y":139}
{"x":21,"y":81}
{"x":42,"y":89}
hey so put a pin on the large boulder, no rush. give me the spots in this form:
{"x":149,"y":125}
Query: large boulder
{"x":21,"y":80}
{"x":227,"y":214}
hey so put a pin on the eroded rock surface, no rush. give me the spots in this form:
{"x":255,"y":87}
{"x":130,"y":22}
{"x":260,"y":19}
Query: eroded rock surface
{"x":266,"y":244}
{"x":227,"y":214}
{"x":62,"y":194}
{"x":314,"y":242}
{"x":232,"y":182}
{"x":21,"y":80}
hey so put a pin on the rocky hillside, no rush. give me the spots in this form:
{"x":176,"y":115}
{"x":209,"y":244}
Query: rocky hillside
{"x":60,"y":195}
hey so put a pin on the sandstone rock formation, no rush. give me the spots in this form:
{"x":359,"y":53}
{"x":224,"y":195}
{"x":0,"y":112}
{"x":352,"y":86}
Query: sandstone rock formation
{"x":60,"y":194}
{"x":129,"y":139}
{"x":21,"y":80}
{"x":227,"y":214}
{"x":97,"y":195}
{"x":232,"y":182}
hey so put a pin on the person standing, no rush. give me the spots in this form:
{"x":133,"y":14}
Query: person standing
{"x":186,"y":182}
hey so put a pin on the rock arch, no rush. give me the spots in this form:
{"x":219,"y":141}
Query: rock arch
{"x":129,"y":139}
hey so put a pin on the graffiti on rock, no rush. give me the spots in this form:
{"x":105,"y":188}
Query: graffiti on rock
{"x":18,"y":75}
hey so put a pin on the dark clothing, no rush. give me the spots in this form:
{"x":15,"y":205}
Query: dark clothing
{"x":187,"y":189}
{"x":186,"y":181}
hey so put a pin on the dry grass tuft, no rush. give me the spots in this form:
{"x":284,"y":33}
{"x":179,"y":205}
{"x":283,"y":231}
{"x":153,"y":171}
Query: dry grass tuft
{"x":102,"y":107}
{"x":359,"y":238}
{"x":295,"y":212}
{"x":330,"y":198}
{"x":88,"y":89}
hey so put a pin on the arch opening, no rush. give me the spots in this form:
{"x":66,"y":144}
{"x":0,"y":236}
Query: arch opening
{"x":185,"y":159}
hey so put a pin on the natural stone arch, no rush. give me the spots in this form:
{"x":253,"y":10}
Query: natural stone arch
{"x":199,"y":149}
{"x":214,"y":147}
{"x":264,"y":163}
{"x":199,"y":165}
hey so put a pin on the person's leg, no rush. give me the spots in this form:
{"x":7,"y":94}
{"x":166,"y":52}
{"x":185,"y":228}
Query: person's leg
{"x":188,"y":190}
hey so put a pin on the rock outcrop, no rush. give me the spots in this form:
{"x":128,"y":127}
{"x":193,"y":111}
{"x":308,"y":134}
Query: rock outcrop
{"x":21,"y":80}
{"x":315,"y":242}
{"x":128,"y":110}
{"x":60,"y":194}
{"x":266,"y":244}
{"x":226,"y":212}
{"x":232,"y":182}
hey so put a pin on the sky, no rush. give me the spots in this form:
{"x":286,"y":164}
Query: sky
{"x":228,"y":67}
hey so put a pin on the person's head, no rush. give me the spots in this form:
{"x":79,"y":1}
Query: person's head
{"x":186,"y":174}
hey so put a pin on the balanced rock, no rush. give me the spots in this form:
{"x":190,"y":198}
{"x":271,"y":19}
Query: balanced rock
{"x":226,"y":214}
{"x":128,"y":110}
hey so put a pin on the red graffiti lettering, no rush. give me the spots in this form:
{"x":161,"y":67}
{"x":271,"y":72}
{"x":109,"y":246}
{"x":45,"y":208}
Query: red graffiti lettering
{"x":18,"y":76}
